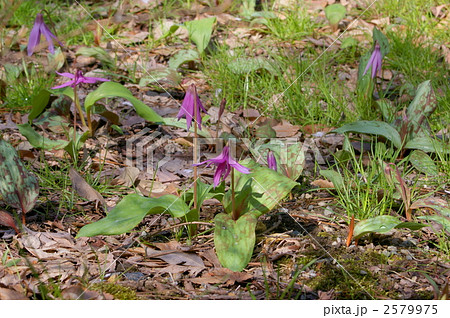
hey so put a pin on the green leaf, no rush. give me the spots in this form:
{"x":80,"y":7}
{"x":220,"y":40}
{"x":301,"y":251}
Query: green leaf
{"x":372,"y":128}
{"x":181,"y":123}
{"x":334,"y":177}
{"x":349,"y":42}
{"x":444,"y":221}
{"x":427,"y":144}
{"x":98,"y":53}
{"x":422,"y":106}
{"x":129,"y":212}
{"x":200,"y":32}
{"x":268,"y":187}
{"x":245,"y":65}
{"x":437,"y":204}
{"x":382,"y":224}
{"x":18,"y":187}
{"x":335,"y":13}
{"x":111,"y":89}
{"x":39,"y":103}
{"x":181,"y":57}
{"x":422,"y":162}
{"x":234,"y":241}
{"x":379,"y":37}
{"x":38,"y":141}
{"x":290,"y":156}
{"x":161,"y":74}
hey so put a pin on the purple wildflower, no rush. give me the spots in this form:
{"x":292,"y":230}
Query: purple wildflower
{"x":39,"y":28}
{"x":79,"y":78}
{"x":374,"y":61}
{"x":271,"y":161}
{"x":224,"y":163}
{"x":187,"y":107}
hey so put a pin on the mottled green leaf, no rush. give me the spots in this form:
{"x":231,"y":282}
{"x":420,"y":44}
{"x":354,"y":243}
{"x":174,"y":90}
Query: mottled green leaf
{"x":439,"y":205}
{"x":422,"y":106}
{"x":372,"y":128}
{"x":112,"y":89}
{"x":38,"y":141}
{"x":422,"y":162}
{"x":428,"y":144}
{"x":268,"y":187}
{"x":444,"y":221}
{"x":245,"y":65}
{"x":129,"y":212}
{"x":335,"y":13}
{"x":18,"y":187}
{"x":290,"y":156}
{"x":234,"y":240}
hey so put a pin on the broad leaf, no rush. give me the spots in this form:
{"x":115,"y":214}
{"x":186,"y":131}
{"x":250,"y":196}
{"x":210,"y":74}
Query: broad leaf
{"x":372,"y":128}
{"x":38,"y":141}
{"x":382,"y":224}
{"x":98,"y":53}
{"x":422,"y":162}
{"x":181,"y":57}
{"x":335,"y":13}
{"x":234,"y":241}
{"x":444,"y":221}
{"x":200,"y":32}
{"x":334,"y":177}
{"x":129,"y":212}
{"x":18,"y":187}
{"x":112,"y":89}
{"x":243,"y":65}
{"x":268,"y":188}
{"x":428,"y":144}
{"x":422,"y":106}
{"x":379,"y":37}
{"x":181,"y":123}
{"x":39,"y":103}
{"x":439,"y":205}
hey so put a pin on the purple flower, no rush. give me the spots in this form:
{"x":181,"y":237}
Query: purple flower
{"x":187,"y":107}
{"x":271,"y":161}
{"x":39,"y":28}
{"x":374,"y":61}
{"x":78,"y":78}
{"x":224,"y":163}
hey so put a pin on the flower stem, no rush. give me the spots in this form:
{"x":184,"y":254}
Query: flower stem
{"x":193,"y":228}
{"x":233,"y":201}
{"x":78,"y":106}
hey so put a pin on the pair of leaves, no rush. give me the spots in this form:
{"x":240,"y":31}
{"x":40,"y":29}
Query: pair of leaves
{"x":256,"y":193}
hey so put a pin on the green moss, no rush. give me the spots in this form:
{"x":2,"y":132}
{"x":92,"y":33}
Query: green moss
{"x":118,"y":291}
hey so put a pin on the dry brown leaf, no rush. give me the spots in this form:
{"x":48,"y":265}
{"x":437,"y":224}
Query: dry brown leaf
{"x":286,"y":129}
{"x":9,"y":294}
{"x":324,"y":184}
{"x":222,"y":276}
{"x":78,"y":292}
{"x":84,"y":189}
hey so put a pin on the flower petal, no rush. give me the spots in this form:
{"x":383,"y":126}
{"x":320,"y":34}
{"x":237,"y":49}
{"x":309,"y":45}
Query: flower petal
{"x":35,"y":35}
{"x":69,"y":83}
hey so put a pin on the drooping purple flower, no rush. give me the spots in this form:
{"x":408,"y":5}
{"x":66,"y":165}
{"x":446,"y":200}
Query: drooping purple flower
{"x":79,"y":78}
{"x":374,"y":61}
{"x":187,"y":107}
{"x":40,"y":28}
{"x":224,"y":163}
{"x":271,"y":161}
